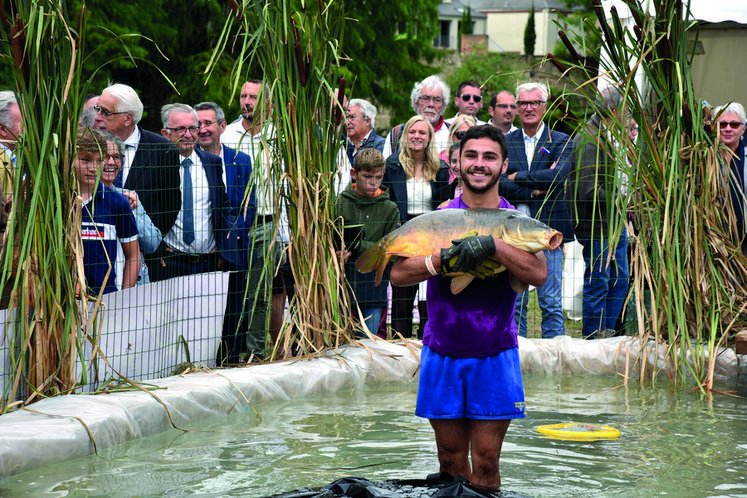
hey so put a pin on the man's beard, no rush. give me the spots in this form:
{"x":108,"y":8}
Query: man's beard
{"x":480,"y":190}
{"x":248,"y":114}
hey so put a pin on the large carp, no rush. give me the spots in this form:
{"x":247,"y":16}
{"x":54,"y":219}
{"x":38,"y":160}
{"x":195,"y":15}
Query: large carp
{"x":433,"y":231}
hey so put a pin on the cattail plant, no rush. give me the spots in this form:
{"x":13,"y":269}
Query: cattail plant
{"x":687,"y":256}
{"x":40,"y":269}
{"x":295,"y":47}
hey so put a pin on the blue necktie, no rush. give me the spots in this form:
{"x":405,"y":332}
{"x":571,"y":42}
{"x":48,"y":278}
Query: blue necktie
{"x":187,"y":204}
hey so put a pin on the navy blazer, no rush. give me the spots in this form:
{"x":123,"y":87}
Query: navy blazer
{"x":551,"y":147}
{"x":395,"y":181}
{"x":372,"y":141}
{"x":154,"y":175}
{"x":230,"y":233}
{"x":238,"y":167}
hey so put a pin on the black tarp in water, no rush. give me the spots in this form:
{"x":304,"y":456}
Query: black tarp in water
{"x":441,"y":485}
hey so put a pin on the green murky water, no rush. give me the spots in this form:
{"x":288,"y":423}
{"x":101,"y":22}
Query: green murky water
{"x":673,"y":443}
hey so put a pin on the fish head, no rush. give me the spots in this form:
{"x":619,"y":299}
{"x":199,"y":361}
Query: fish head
{"x":529,"y":234}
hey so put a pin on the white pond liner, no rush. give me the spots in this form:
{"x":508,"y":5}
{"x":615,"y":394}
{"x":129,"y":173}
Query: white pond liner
{"x":66,"y":427}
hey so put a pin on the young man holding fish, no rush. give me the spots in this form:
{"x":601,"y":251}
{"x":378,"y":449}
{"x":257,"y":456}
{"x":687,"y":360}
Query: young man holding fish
{"x":470,"y":376}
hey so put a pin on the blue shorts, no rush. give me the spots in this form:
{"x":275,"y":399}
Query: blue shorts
{"x":487,"y":388}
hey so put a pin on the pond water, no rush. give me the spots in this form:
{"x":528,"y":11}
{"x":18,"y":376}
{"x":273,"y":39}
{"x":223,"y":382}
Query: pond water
{"x":672,"y":443}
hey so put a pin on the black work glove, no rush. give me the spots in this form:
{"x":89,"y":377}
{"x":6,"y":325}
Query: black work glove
{"x":467,"y":254}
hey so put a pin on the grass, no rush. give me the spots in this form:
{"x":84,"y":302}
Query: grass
{"x":534,"y":321}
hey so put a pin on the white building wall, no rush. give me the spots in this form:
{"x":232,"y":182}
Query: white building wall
{"x":507,"y":30}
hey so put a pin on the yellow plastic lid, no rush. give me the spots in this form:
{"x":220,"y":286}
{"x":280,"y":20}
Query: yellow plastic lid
{"x":574,"y":431}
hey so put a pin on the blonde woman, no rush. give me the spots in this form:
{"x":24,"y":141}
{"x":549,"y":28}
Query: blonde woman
{"x":458,"y":128}
{"x":417,"y":183}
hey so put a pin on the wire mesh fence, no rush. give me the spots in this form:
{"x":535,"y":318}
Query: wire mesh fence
{"x":198,"y":301}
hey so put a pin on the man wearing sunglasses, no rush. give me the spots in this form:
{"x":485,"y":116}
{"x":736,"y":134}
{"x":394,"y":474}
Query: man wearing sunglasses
{"x":538,"y":162}
{"x":468,"y":100}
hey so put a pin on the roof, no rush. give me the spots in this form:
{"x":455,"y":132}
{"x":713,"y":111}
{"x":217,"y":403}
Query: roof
{"x":701,"y":10}
{"x":455,"y":8}
{"x":503,"y":5}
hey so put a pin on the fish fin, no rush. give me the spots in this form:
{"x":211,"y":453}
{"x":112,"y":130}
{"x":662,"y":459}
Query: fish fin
{"x":517,"y":284}
{"x":373,"y":259}
{"x":459,"y":282}
{"x":467,"y":234}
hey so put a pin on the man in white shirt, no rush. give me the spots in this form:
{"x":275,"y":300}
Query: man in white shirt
{"x":206,"y":231}
{"x":255,"y":136}
{"x":10,"y":128}
{"x":538,"y":163}
{"x":150,"y":165}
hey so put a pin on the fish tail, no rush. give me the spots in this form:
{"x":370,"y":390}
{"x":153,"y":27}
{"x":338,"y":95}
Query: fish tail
{"x":375,"y":258}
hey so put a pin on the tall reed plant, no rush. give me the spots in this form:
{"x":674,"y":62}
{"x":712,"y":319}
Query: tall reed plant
{"x":686,"y":258}
{"x":293,"y":45}
{"x":42,"y":54}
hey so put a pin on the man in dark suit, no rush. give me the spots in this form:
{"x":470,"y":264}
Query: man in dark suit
{"x":538,"y":162}
{"x":360,"y":132}
{"x":206,"y":233}
{"x":237,"y":171}
{"x":594,"y":194}
{"x":150,"y":165}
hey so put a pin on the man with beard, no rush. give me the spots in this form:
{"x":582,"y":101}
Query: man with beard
{"x":255,"y":136}
{"x":470,"y":377}
{"x":428,"y":98}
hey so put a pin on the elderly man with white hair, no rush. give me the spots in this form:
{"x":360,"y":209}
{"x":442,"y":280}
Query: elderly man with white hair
{"x":538,"y":163}
{"x":359,"y":125}
{"x":429,"y":99}
{"x":150,"y":165}
{"x":10,"y":127}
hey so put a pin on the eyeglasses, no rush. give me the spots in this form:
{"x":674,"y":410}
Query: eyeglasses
{"x":106,"y":113}
{"x":506,"y":106}
{"x":116,"y":157}
{"x":476,"y":98}
{"x":526,"y":103}
{"x":182,"y":130}
{"x":727,"y":124}
{"x":427,"y":99}
{"x":353,"y":117}
{"x":205,"y":123}
{"x":459,"y":134}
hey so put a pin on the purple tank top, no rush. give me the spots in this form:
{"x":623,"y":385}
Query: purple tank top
{"x":477,"y":322}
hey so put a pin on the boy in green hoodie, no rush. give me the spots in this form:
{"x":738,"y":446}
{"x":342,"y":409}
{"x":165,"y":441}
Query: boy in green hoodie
{"x":364,"y":202}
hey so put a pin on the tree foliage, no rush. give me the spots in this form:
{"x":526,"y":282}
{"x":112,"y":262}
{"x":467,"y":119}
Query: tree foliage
{"x":465,"y":28}
{"x":580,"y":27}
{"x":530,"y":33}
{"x":161,"y":49}
{"x":389,"y":49}
{"x":157,"y":43}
